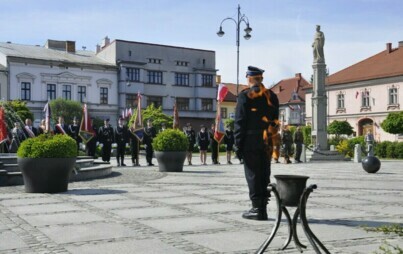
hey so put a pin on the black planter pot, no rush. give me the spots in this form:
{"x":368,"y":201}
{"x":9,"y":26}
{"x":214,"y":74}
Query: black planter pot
{"x":290,"y":188}
{"x":170,"y":161}
{"x":46,"y":175}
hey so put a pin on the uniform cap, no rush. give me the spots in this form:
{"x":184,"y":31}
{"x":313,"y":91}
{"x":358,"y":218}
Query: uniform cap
{"x":254,"y":71}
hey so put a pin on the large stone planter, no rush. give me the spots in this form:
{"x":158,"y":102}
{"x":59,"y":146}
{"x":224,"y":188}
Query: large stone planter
{"x":46,"y":175}
{"x":290,"y":188}
{"x":170,"y":161}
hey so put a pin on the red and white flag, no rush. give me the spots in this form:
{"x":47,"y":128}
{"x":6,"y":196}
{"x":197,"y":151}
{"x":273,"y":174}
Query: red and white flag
{"x":86,"y":131}
{"x":48,"y":114}
{"x":219,"y":131}
{"x":3,"y":127}
{"x":222,"y":92}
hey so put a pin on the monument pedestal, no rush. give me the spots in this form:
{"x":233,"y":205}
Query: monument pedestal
{"x":327,"y":155}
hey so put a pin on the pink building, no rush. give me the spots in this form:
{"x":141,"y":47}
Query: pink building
{"x":365,"y":93}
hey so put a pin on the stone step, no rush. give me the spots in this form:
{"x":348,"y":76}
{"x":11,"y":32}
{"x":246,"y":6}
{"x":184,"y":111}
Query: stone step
{"x":11,"y":167}
{"x":84,"y":163}
{"x":9,"y":159}
{"x":96,"y":171}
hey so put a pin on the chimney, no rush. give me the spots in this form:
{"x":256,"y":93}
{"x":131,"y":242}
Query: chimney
{"x":105,"y":42}
{"x":98,"y":48}
{"x":298,"y":75}
{"x":218,"y":79}
{"x":400,"y":44}
{"x":388,"y":47}
{"x":71,"y":46}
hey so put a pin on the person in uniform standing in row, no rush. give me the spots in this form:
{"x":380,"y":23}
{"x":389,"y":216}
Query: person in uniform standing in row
{"x":105,"y":135}
{"x":191,"y":135}
{"x":213,"y":145}
{"x":287,"y":144}
{"x":299,"y":141}
{"x":121,"y":138}
{"x":134,"y":149}
{"x":61,"y":127}
{"x":229,"y":141}
{"x":203,"y":142}
{"x":257,"y":109}
{"x":29,"y":130}
{"x":149,"y":134}
{"x":73,"y":132}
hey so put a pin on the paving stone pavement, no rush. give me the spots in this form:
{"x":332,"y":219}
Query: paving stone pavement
{"x":141,"y":210}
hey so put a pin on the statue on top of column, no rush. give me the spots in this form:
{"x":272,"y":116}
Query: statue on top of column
{"x":317,"y":45}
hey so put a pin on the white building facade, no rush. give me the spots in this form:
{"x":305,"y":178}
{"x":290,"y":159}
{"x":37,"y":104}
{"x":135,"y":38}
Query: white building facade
{"x":163,"y":74}
{"x":37,"y":74}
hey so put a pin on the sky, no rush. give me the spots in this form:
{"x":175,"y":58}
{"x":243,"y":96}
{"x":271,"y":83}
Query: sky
{"x":281,"y":39}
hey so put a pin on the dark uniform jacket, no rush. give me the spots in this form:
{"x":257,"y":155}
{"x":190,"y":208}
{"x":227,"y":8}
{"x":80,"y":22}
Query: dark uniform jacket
{"x":250,"y":115}
{"x":105,"y":135}
{"x":121,"y":135}
{"x":33,"y":129}
{"x":149,"y":135}
{"x":298,"y":137}
{"x":74,"y":131}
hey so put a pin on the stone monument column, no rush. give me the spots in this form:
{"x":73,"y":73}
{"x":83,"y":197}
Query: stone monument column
{"x":319,"y":98}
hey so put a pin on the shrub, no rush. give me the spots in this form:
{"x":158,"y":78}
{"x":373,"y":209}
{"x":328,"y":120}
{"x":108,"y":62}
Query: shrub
{"x":171,"y":140}
{"x":346,"y":147}
{"x":343,"y":148}
{"x":306,"y":131}
{"x":48,"y":146}
{"x":399,"y":150}
{"x":380,"y":149}
{"x":391,"y":150}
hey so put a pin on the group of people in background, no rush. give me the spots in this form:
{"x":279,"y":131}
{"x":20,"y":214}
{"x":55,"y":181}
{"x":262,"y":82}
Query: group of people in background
{"x":282,"y":145}
{"x":205,"y":139}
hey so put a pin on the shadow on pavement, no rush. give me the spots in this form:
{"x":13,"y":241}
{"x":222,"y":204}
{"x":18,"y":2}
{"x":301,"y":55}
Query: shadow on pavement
{"x":352,"y":223}
{"x":202,"y":172}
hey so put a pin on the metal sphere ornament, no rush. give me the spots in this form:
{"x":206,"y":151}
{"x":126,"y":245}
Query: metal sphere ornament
{"x":371,"y":164}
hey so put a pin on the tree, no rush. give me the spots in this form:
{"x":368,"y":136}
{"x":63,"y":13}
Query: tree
{"x":21,"y":109}
{"x":393,"y":123}
{"x":229,"y":122}
{"x":67,"y":109}
{"x":156,"y":115}
{"x":340,"y":127}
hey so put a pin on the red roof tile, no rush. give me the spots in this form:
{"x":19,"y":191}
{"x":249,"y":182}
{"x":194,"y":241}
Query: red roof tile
{"x":388,"y":63}
{"x":286,"y":87}
{"x":231,"y":95}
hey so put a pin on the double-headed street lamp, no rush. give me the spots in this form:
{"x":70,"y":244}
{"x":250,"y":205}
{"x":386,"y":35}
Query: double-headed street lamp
{"x":247,"y":36}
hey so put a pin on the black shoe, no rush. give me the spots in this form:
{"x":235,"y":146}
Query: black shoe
{"x":150,"y":164}
{"x":255,"y":214}
{"x":118,"y":165}
{"x":229,"y":162}
{"x":123,"y":165}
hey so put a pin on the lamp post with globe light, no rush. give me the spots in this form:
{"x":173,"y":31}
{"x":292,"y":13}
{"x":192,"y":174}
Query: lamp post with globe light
{"x":240,"y":18}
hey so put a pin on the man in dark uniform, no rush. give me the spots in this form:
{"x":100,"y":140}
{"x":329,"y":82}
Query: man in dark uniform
{"x":286,"y":139}
{"x":213,"y":145}
{"x":149,"y":134}
{"x":121,"y":138}
{"x":191,"y":135}
{"x":257,"y":109}
{"x":105,"y":135}
{"x":298,"y":140}
{"x":29,"y":130}
{"x":73,"y":132}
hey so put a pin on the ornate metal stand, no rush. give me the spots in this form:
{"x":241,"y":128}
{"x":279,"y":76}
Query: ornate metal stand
{"x":292,"y":224}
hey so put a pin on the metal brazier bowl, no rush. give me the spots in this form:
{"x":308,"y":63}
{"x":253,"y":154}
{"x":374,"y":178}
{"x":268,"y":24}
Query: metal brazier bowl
{"x":290,"y":188}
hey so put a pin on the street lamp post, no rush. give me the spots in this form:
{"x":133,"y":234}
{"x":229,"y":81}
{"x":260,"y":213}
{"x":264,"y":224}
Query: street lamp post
{"x":241,"y":18}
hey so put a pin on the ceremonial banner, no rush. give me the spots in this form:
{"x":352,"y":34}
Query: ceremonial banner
{"x":176,"y":117}
{"x":219,"y":131}
{"x":137,"y":128}
{"x":3,"y":127}
{"x":48,"y":114}
{"x":86,"y":131}
{"x":222,"y":92}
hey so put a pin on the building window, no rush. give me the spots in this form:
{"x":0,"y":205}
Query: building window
{"x":365,"y":99}
{"x":51,"y":91}
{"x":182,"y":79}
{"x":340,"y":101}
{"x":82,"y":93}
{"x":104,"y":95}
{"x":25,"y":91}
{"x":393,"y":96}
{"x":155,"y":77}
{"x":207,"y":80}
{"x":207,"y":104}
{"x":182,"y":104}
{"x":224,"y":112}
{"x":156,"y":100}
{"x":133,"y":74}
{"x":154,"y":60}
{"x":66,"y":92}
{"x":131,"y":100}
{"x":182,"y":63}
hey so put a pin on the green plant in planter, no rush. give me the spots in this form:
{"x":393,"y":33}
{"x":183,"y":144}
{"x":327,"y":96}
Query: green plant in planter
{"x":170,"y":140}
{"x":48,"y":146}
